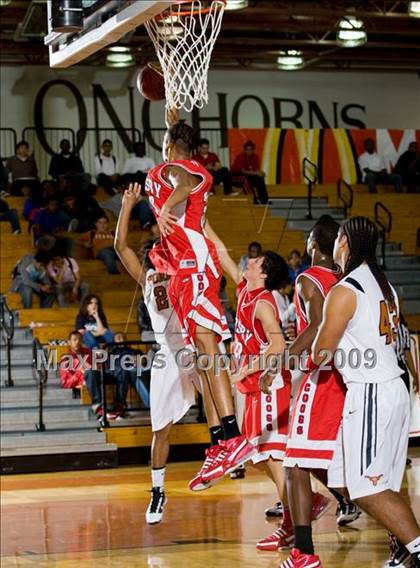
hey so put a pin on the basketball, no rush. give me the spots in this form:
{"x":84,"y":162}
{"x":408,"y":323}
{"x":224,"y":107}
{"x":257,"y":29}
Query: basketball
{"x":150,"y":83}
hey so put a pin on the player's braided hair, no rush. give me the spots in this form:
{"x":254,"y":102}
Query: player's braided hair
{"x":276,"y":269}
{"x":183,"y":135}
{"x":362,"y":236}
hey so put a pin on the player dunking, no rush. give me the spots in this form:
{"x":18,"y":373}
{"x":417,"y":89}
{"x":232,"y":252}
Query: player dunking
{"x":360,"y":314}
{"x":172,"y":390}
{"x":178,"y":191}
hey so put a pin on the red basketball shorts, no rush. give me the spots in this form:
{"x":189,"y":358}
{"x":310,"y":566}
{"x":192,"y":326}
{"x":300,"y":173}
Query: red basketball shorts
{"x":265,"y":422}
{"x":315,"y":420}
{"x":195,"y":299}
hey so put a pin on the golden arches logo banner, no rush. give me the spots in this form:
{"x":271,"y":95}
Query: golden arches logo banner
{"x":334,"y":150}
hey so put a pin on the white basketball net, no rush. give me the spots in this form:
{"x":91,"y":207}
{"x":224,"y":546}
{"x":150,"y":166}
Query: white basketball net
{"x":184,"y":42}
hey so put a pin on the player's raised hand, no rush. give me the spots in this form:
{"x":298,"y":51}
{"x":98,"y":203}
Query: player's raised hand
{"x":132,"y":195}
{"x":166,"y":222}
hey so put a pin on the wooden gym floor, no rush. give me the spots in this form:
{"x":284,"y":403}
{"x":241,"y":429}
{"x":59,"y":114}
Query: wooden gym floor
{"x":96,"y":519}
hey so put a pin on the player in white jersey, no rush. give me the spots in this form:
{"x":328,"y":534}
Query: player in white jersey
{"x":171,"y":388}
{"x":359,"y":327}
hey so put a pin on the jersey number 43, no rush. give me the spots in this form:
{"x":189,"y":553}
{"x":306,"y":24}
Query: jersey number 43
{"x":386,"y":327}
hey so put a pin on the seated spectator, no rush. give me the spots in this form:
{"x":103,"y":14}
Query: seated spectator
{"x":254,"y":251}
{"x":11,"y":216}
{"x":66,"y":163}
{"x":126,"y":377}
{"x":248,"y":164}
{"x":65,"y":275}
{"x":23,"y":170}
{"x":91,"y":322}
{"x":372,"y":167}
{"x":408,"y":167}
{"x":4,"y":182}
{"x":142,"y":211}
{"x":136,"y":167}
{"x":101,"y":242}
{"x":32,"y":205}
{"x":287,"y":309}
{"x":211,"y":162}
{"x":30,"y":277}
{"x":296,"y":265}
{"x":82,"y":214}
{"x":52,"y":221}
{"x":76,"y":365}
{"x":107,"y":168}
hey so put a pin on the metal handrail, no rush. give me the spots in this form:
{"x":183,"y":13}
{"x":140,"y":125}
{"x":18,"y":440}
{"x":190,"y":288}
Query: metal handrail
{"x":7,"y":325}
{"x":347,"y":203}
{"x":311,"y":182}
{"x":383,"y":228}
{"x":41,"y":376}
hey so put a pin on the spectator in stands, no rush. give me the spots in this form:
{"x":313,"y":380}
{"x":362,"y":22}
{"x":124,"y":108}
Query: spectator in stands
{"x":66,"y":163}
{"x":82,"y":214}
{"x":11,"y":216}
{"x":101,"y":242}
{"x":296,"y":265}
{"x":52,"y":221}
{"x":136,"y":167}
{"x":65,"y":275}
{"x":124,"y":377}
{"x":287,"y":309}
{"x":30,"y":277}
{"x":141,"y":211}
{"x":91,"y":322}
{"x":254,"y":251}
{"x":107,"y":168}
{"x":211,"y":162}
{"x":23,"y":169}
{"x":408,"y":167}
{"x":248,"y":164}
{"x":373,"y":169}
{"x":76,"y":365}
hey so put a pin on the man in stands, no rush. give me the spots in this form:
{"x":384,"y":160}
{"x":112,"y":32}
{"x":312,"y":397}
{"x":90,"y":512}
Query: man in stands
{"x":211,"y":162}
{"x":408,"y":167}
{"x":254,"y":251}
{"x":30,"y":277}
{"x":66,"y":163}
{"x":107,"y":168}
{"x":136,"y":167}
{"x":52,"y":221}
{"x":373,"y":169}
{"x":23,"y":170}
{"x":296,"y":264}
{"x":248,"y":164}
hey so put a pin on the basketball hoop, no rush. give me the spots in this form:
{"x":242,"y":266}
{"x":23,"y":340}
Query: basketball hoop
{"x":184,"y":36}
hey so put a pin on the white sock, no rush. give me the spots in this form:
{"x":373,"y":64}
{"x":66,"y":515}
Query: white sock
{"x":413,"y":547}
{"x":158,"y":477}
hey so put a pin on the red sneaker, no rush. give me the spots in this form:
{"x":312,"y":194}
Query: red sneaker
{"x":282,"y":538}
{"x":235,"y":452}
{"x":299,"y":560}
{"x":320,"y":504}
{"x":212,"y":454}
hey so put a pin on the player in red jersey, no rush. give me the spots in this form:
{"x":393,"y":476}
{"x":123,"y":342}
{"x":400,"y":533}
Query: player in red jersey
{"x":317,"y":410}
{"x":178,"y":191}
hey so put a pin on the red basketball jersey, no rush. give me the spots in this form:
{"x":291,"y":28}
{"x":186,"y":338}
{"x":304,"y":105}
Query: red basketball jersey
{"x":250,"y":338}
{"x":187,"y":249}
{"x":324,"y":279}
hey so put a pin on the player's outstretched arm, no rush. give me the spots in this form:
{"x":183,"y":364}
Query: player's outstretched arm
{"x":227,"y":262}
{"x":127,"y":256}
{"x":339,"y":308}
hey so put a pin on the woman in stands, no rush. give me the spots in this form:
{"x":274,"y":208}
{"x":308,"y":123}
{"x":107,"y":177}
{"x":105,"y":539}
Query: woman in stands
{"x":92,"y":323}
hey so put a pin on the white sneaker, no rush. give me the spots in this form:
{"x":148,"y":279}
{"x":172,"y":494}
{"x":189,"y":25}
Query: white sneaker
{"x":154,"y":513}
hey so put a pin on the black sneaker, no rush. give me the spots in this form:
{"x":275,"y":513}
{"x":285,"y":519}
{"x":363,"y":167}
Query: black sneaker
{"x":399,"y":555}
{"x":156,"y":506}
{"x":347,"y":512}
{"x":276,"y":511}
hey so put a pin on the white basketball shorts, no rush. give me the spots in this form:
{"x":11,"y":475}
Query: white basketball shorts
{"x":371,"y":449}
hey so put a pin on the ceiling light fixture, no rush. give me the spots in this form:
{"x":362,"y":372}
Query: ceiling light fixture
{"x":290,"y":60}
{"x":119,"y":49}
{"x":351,"y":32}
{"x":414,"y":9}
{"x":236,"y":4}
{"x":120,"y":60}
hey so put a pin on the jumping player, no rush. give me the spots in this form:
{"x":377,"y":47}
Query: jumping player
{"x":360,"y":314}
{"x":178,"y":191}
{"x":172,"y":390}
{"x":317,"y":410}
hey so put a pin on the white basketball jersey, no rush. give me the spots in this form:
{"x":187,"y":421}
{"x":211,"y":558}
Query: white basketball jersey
{"x":373,"y":327}
{"x":166,"y":326}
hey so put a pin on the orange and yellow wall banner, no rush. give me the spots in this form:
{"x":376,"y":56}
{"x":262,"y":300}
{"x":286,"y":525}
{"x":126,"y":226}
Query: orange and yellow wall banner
{"x":333,"y":150}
